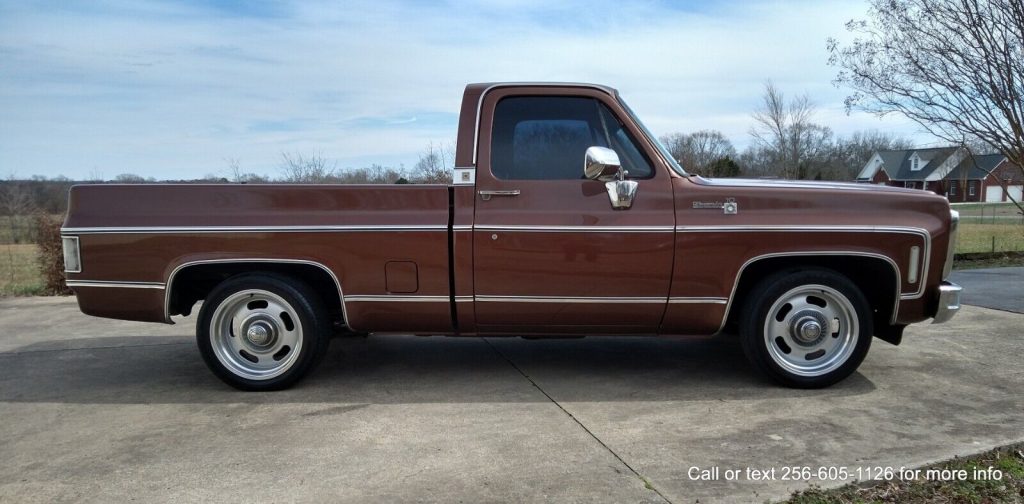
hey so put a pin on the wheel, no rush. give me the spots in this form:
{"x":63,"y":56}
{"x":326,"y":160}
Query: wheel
{"x":262,"y":331}
{"x":806,"y":328}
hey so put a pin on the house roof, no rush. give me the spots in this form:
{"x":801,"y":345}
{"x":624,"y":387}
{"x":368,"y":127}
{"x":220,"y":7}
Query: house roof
{"x":896,"y":163}
{"x":975,"y":168}
{"x":936,"y":164}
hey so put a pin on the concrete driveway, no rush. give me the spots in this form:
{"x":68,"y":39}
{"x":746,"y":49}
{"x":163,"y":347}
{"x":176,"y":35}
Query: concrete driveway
{"x":98,"y":410}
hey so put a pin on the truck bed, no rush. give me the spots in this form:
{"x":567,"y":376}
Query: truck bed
{"x":395,"y":236}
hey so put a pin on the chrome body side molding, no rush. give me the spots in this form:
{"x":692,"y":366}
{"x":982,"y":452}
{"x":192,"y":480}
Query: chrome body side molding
{"x":396,"y":298}
{"x":252,"y":229}
{"x":561,"y":299}
{"x":402,"y":298}
{"x":698,"y":300}
{"x":115,"y":284}
{"x":575,"y":229}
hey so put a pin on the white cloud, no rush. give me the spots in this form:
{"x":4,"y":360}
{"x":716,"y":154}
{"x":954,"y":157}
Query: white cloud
{"x":171,"y":90}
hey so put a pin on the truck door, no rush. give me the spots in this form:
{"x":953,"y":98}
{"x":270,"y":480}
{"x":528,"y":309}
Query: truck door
{"x":550,"y":252}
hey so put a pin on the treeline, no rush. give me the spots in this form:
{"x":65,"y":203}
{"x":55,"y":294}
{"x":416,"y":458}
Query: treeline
{"x":787,"y":143}
{"x":39,"y":194}
{"x":435,"y":166}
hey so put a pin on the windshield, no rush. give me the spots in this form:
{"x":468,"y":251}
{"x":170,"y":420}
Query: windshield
{"x":654,"y":140}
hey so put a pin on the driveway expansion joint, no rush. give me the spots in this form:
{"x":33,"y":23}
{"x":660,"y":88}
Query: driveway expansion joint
{"x":646,"y":482}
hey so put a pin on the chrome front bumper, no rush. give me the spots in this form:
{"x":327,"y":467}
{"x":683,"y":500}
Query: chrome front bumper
{"x":949,"y":302}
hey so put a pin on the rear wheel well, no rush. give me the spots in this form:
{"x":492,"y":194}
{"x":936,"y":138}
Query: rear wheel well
{"x":193,"y":283}
{"x":874,"y":276}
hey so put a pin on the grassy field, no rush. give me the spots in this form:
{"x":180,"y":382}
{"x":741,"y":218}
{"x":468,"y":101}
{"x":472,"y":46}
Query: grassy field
{"x":989,"y":213}
{"x":942,"y":486}
{"x":990,"y":238}
{"x":20,"y":228}
{"x":19,"y":274}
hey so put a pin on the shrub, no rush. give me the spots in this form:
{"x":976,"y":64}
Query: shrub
{"x":51,"y":256}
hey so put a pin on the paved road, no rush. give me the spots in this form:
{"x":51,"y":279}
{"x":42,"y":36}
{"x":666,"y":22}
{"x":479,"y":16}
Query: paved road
{"x":97,"y":410}
{"x":999,"y":288}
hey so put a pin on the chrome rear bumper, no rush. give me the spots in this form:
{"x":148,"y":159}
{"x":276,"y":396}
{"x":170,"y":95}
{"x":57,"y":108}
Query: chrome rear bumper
{"x":949,"y":302}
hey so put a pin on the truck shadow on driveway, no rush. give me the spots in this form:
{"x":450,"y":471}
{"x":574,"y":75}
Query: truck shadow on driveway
{"x":406,"y":370}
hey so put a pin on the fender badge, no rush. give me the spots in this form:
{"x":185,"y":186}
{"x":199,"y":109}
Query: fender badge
{"x":729,"y":206}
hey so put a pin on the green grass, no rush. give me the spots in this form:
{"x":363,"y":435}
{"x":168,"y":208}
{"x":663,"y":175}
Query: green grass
{"x":979,"y":238}
{"x":989,"y":213}
{"x":19,"y":273}
{"x":1008,"y":460}
{"x":976,"y":208}
{"x":20,"y":228}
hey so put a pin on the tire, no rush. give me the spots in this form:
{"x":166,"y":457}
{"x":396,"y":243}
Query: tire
{"x":807,"y":328}
{"x":262,"y":331}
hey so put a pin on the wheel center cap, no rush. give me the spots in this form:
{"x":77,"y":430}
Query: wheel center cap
{"x":258,"y":334}
{"x":807,"y":328}
{"x":810,"y":330}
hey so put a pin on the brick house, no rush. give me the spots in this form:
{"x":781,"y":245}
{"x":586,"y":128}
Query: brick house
{"x":948,"y":171}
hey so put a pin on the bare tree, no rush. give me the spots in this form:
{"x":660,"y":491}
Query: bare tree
{"x":849,"y":154}
{"x":954,"y":67}
{"x":435,"y":165}
{"x":699,"y":151}
{"x":373,"y":174}
{"x":784,"y":134}
{"x":235,"y":168}
{"x":301,"y":169}
{"x":240,"y":176}
{"x":16,"y":204}
{"x":130,"y":178}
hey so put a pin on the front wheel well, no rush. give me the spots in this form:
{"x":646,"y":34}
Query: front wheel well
{"x":876,"y":277}
{"x":192,"y":283}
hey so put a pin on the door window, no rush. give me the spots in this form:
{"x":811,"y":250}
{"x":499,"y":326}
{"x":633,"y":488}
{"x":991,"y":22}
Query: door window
{"x":546,"y":138}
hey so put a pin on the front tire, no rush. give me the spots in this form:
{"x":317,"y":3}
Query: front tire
{"x":262,"y":331}
{"x":806,"y":328}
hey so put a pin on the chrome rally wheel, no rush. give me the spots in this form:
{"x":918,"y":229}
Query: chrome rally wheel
{"x":811,"y":330}
{"x":806,"y":328}
{"x":262,"y":331}
{"x":256,"y":334}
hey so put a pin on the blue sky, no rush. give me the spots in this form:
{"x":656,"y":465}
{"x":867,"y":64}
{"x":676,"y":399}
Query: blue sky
{"x":173,"y":90}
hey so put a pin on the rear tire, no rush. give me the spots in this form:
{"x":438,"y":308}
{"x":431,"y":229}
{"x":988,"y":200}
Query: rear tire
{"x":806,"y":328}
{"x":262,"y":331}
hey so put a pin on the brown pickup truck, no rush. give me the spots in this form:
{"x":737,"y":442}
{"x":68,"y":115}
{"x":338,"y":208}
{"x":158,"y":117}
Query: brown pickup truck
{"x":566,"y":217}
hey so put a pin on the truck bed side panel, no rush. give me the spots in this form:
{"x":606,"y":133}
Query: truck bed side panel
{"x":144,"y":234}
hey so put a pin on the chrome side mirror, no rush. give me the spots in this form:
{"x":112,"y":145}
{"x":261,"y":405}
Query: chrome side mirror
{"x":601,"y":163}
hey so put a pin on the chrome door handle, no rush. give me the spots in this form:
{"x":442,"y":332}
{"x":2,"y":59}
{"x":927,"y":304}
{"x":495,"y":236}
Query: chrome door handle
{"x":486,"y":195}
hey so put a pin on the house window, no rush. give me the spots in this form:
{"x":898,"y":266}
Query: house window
{"x":971,"y":188}
{"x":952,"y":188}
{"x":913,"y":164}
